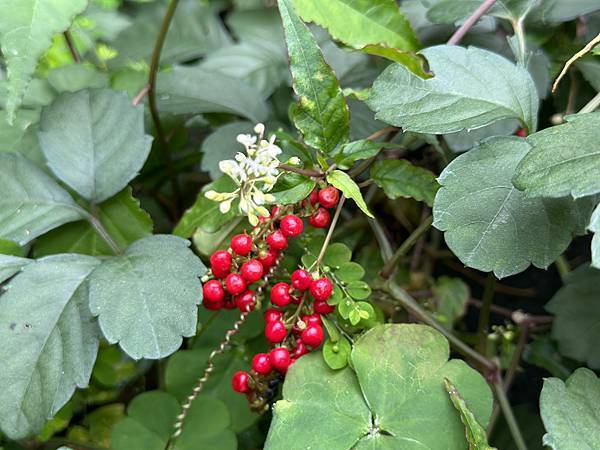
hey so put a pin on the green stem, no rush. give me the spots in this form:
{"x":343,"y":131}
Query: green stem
{"x":484,"y":312}
{"x":154,"y":66}
{"x":71,"y":45}
{"x":592,"y":105}
{"x":336,"y":216}
{"x":508,"y":415}
{"x":562,"y":265}
{"x":106,"y":237}
{"x":390,"y":265}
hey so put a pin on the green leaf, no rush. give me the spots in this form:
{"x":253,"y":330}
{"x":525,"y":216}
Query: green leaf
{"x":49,"y":341}
{"x":358,"y":290}
{"x":466,"y":140}
{"x":292,"y":188}
{"x":393,"y":397}
{"x":204,"y":212}
{"x":344,"y":183}
{"x":337,"y":254}
{"x":26,"y":30}
{"x":562,"y":160}
{"x":321,"y":113}
{"x":193,"y":90}
{"x":400,"y":178}
{"x":451,"y":297}
{"x":356,"y":150}
{"x":413,"y":62}
{"x":458,"y":96}
{"x":569,"y":411}
{"x":151,"y":417}
{"x":488,"y":223}
{"x":146,"y":299}
{"x":336,"y":354}
{"x":9,"y":265}
{"x":594,"y":227}
{"x":18,"y":137}
{"x":32,"y":203}
{"x":559,"y":11}
{"x":94,"y":141}
{"x":543,"y":352}
{"x":350,"y":271}
{"x":76,"y":77}
{"x":474,"y":432}
{"x":576,"y":325}
{"x":122,"y":217}
{"x":221,"y":144}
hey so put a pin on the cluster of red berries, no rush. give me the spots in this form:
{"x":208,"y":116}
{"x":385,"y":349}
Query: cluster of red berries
{"x":293,"y":324}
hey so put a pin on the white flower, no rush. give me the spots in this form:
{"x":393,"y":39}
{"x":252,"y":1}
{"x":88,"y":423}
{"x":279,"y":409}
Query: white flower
{"x":246,"y":140}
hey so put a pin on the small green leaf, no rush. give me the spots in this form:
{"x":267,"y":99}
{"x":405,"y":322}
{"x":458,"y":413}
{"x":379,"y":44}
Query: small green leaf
{"x":321,"y":113}
{"x":413,"y":62}
{"x":332,"y":331}
{"x":569,"y":411}
{"x":358,"y":290}
{"x":355,"y":151}
{"x":336,"y":353}
{"x":563,"y":160}
{"x":475,"y":434}
{"x":451,"y":297}
{"x":344,"y":183}
{"x":350,"y":271}
{"x":146,"y":299}
{"x":345,"y":306}
{"x":94,"y":141}
{"x":458,"y":96}
{"x":292,"y":188}
{"x":337,"y":254}
{"x":400,"y":178}
{"x":32,"y":203}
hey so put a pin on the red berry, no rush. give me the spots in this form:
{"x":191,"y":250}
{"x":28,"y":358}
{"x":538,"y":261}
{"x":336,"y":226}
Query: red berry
{"x":275,"y":210}
{"x":322,"y":307}
{"x":313,"y":335}
{"x":261,"y":363}
{"x":521,"y":132}
{"x":277,"y":240}
{"x":275,"y":332}
{"x":239,"y":382}
{"x":268,"y":259}
{"x":252,"y":271}
{"x":229,"y":303}
{"x":314,"y":197}
{"x":220,"y":263}
{"x":245,"y":301}
{"x":301,"y":280}
{"x":320,"y":219}
{"x":300,"y":349}
{"x":329,"y":197}
{"x":280,"y":358}
{"x":291,"y":226}
{"x":311,"y":319}
{"x":235,"y":284}
{"x":241,"y":244}
{"x":272,"y":315}
{"x":321,"y":289}
{"x":214,"y":306}
{"x":280,"y":294}
{"x":213,"y":291}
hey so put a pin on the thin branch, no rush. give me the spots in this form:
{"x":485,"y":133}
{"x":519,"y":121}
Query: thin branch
{"x":471,"y":20}
{"x":592,"y":105}
{"x":508,"y":415}
{"x":154,"y":66}
{"x":336,"y":216}
{"x":71,"y":45}
{"x":574,"y":58}
{"x":381,"y":132}
{"x":106,"y":237}
{"x":306,"y":172}
{"x":484,"y":312}
{"x":140,"y":95}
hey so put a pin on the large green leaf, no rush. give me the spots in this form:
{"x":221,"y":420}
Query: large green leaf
{"x":26,"y":30}
{"x":151,"y":417}
{"x":146,"y":299}
{"x":321,"y":113}
{"x":400,"y":178}
{"x":9,"y":265}
{"x":122,"y":217}
{"x":32,"y":203}
{"x":49,"y":341}
{"x":365,"y":23}
{"x":192,"y":90}
{"x":570,"y":411}
{"x":94,"y":141}
{"x":394,"y":397}
{"x":492,"y":226}
{"x":576,"y":325}
{"x":471,"y":88}
{"x":563,"y":160}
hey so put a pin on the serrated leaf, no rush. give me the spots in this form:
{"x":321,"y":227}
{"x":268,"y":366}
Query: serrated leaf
{"x":94,"y":141}
{"x":344,"y":183}
{"x":365,"y":24}
{"x":569,"y":411}
{"x":151,"y":417}
{"x":458,"y":96}
{"x":26,"y":30}
{"x":122,"y":217}
{"x":474,"y":432}
{"x":49,"y":341}
{"x":292,"y":188}
{"x":32,"y":203}
{"x":594,"y":227}
{"x":368,"y":406}
{"x":193,"y":90}
{"x":562,"y":160}
{"x":336,"y":354}
{"x":146,"y":299}
{"x":400,"y":178}
{"x":576,"y":325}
{"x":488,"y":223}
{"x":451,"y":297}
{"x":321,"y":113}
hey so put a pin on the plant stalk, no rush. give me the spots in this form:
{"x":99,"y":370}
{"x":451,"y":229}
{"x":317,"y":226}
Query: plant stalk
{"x":336,"y":216}
{"x":592,"y":105}
{"x":106,"y":237}
{"x":71,"y":45}
{"x":513,"y":426}
{"x":471,"y":20}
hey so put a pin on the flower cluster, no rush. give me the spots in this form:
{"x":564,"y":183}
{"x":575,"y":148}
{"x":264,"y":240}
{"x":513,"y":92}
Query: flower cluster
{"x":255,"y":173}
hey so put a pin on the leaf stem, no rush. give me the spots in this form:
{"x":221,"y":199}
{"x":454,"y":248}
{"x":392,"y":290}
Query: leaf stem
{"x":305,"y":172}
{"x":508,"y":415}
{"x":471,"y":20}
{"x":390,"y":265}
{"x":591,"y":105}
{"x":484,"y":312}
{"x":71,"y":45}
{"x":336,"y":216}
{"x":574,"y":58}
{"x":154,"y":66}
{"x":106,"y":237}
